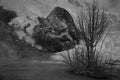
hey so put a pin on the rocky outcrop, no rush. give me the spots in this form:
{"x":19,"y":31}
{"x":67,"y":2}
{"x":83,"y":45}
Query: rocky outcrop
{"x":24,"y":28}
{"x":60,"y":23}
{"x":58,"y":27}
{"x":26,"y":23}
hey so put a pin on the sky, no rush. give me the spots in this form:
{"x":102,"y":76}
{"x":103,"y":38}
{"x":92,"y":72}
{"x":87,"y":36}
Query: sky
{"x":44,"y":7}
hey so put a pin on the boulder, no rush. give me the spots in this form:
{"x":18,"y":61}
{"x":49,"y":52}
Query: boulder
{"x":61,"y":21}
{"x":58,"y":24}
{"x":56,"y":29}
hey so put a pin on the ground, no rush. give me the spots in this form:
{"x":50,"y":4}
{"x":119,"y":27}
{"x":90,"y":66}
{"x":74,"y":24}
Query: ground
{"x":26,"y":69}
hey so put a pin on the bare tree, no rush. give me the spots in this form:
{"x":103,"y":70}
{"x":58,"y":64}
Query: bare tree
{"x":92,"y":25}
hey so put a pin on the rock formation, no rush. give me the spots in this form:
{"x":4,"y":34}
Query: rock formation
{"x":26,"y":23}
{"x":61,"y":24}
{"x":58,"y":26}
{"x":24,"y":28}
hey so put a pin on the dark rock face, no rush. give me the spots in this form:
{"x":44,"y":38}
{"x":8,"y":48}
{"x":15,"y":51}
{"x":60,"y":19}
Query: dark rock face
{"x":56,"y":29}
{"x":60,"y":14}
{"x":6,"y":15}
{"x":59,"y":23}
{"x":61,"y":20}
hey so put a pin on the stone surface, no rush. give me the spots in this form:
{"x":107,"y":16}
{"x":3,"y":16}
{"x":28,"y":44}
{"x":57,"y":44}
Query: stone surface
{"x":26,"y":23}
{"x":59,"y":23}
{"x":61,"y":20}
{"x":24,"y":28}
{"x":58,"y":26}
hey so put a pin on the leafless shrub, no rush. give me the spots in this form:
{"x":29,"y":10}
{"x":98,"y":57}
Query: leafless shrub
{"x":92,"y":26}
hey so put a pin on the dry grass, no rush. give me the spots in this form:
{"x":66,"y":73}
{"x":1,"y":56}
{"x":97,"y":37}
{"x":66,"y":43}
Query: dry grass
{"x":101,"y":67}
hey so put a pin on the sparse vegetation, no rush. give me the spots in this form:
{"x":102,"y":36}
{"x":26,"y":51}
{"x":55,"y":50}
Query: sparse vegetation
{"x":89,"y":61}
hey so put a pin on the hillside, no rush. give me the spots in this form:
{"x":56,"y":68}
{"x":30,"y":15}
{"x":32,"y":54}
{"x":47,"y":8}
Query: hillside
{"x":11,"y":46}
{"x":43,"y":8}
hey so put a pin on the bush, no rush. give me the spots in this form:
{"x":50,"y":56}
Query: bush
{"x":99,"y":68}
{"x":89,"y":61}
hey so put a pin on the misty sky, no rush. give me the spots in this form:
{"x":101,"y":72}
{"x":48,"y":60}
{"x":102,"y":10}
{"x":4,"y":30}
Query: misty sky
{"x":43,"y":7}
{"x":114,"y":3}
